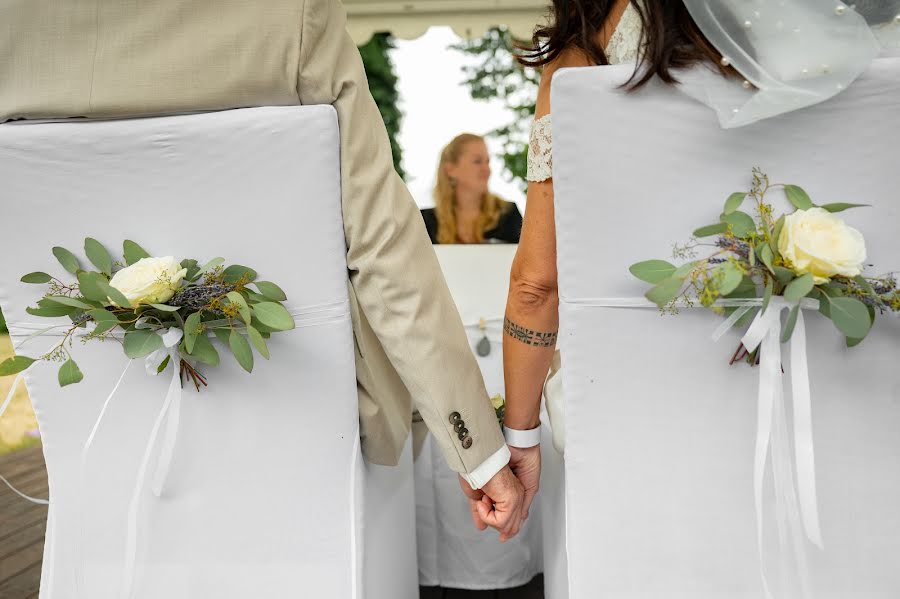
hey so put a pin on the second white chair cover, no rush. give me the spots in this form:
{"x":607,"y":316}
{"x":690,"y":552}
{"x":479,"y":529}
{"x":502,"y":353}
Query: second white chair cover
{"x":660,"y":431}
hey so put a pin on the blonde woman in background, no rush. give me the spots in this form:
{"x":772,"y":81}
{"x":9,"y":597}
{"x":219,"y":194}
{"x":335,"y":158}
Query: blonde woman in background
{"x":465,"y":211}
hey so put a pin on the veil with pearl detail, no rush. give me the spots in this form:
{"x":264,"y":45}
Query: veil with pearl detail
{"x":791,"y":53}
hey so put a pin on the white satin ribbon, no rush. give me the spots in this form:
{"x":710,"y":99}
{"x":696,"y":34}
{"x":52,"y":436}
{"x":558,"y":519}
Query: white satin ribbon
{"x":765,"y":332}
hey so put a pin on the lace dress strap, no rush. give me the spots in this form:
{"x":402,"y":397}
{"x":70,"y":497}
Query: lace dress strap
{"x":540,"y":160}
{"x":624,"y":46}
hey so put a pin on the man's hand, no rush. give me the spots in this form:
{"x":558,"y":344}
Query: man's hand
{"x":474,"y":496}
{"x":498,"y":504}
{"x":526,"y":465}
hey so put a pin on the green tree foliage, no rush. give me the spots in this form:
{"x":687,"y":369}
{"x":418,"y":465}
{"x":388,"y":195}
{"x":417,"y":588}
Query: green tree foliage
{"x":2,"y":324}
{"x":494,"y":73}
{"x":383,"y":85}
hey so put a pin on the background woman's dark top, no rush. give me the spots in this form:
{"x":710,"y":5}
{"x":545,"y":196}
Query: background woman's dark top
{"x":508,"y":228}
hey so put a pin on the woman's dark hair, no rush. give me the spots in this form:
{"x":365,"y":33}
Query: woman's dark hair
{"x":670,"y":39}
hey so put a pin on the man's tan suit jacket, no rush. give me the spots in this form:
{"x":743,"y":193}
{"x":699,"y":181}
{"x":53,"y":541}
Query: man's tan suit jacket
{"x":123,"y":58}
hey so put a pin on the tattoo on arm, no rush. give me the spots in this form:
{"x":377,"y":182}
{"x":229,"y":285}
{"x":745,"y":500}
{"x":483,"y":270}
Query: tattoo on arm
{"x":527,"y":336}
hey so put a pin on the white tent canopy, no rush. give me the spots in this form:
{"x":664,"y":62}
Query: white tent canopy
{"x":409,"y":19}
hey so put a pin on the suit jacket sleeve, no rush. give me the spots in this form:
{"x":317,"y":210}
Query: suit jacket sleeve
{"x":393,"y":269}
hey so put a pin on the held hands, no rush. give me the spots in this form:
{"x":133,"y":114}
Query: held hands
{"x":499,"y":504}
{"x":526,"y":465}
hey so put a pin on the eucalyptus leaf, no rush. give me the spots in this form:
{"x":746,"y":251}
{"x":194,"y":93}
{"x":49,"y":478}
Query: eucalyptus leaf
{"x":731,"y":277}
{"x":276,"y":316}
{"x":256,"y":324}
{"x":204,"y":350}
{"x":191,"y":267}
{"x":222,"y":335}
{"x":742,"y":224}
{"x":68,"y":260}
{"x":864,"y":283}
{"x":767,"y":295}
{"x":649,"y":271}
{"x":685,"y":269}
{"x":850,"y":316}
{"x":104,"y":320}
{"x":114,"y":295}
{"x":69,"y":301}
{"x":15,"y":365}
{"x":784,"y":275}
{"x":798,"y":197}
{"x":133,"y":252}
{"x":47,"y":309}
{"x":258,"y":342}
{"x":241,"y":304}
{"x":776,"y":235}
{"x":209,"y":266}
{"x":240,"y":347}
{"x":824,"y":303}
{"x":255,"y":298}
{"x":163,"y":364}
{"x":665,"y":292}
{"x":36,"y":278}
{"x":275,"y":293}
{"x":69,"y":373}
{"x":734,"y":202}
{"x":767,"y":258}
{"x":141,"y":343}
{"x":191,"y":331}
{"x":799,"y":288}
{"x":853,"y":342}
{"x":790,"y":323}
{"x":91,"y":286}
{"x":710,"y":230}
{"x":841,"y":206}
{"x":98,"y":255}
{"x":235,"y":272}
{"x":165,"y":308}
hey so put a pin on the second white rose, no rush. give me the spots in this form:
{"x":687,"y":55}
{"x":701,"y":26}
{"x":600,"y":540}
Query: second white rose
{"x":149,"y":280}
{"x":817,"y":242}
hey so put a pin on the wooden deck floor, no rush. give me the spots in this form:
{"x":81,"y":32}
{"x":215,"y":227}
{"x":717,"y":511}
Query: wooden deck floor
{"x":22,"y":524}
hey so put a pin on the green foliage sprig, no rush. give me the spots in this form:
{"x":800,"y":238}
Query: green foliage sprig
{"x":747,"y":261}
{"x":240,"y":311}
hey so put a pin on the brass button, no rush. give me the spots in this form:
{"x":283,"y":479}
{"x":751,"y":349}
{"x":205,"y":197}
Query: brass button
{"x":460,"y":424}
{"x":454,"y":417}
{"x":467,"y":442}
{"x":462,"y":433}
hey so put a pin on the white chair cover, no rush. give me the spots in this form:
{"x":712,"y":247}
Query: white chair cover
{"x":264,"y":493}
{"x":660,"y":431}
{"x":452,"y":552}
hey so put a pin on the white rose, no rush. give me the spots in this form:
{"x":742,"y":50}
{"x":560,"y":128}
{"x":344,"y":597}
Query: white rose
{"x":817,"y":242}
{"x":149,"y":280}
{"x":497,"y":401}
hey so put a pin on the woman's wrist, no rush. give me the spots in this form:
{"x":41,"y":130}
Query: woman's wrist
{"x":522,"y":420}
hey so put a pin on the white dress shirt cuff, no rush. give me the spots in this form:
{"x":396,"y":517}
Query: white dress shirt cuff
{"x":479,"y":477}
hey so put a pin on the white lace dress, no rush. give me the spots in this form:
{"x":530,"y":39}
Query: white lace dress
{"x":623,"y":47}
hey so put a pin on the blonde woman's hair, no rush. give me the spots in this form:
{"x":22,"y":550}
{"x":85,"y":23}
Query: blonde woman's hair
{"x":445,"y":196}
